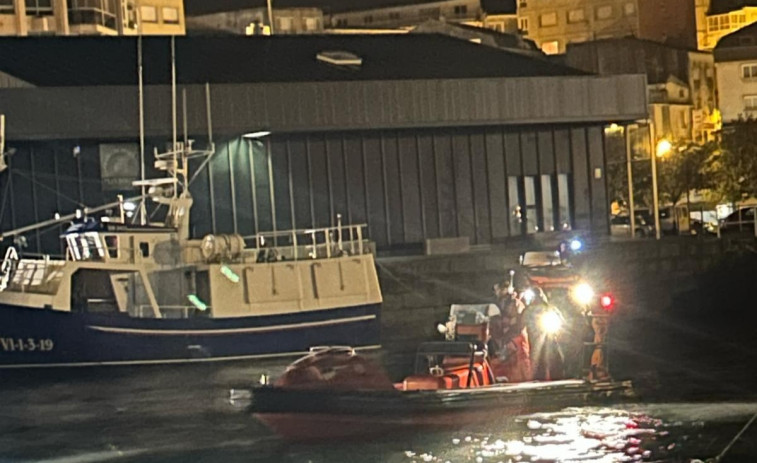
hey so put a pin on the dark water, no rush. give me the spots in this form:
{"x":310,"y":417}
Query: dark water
{"x":183,"y":414}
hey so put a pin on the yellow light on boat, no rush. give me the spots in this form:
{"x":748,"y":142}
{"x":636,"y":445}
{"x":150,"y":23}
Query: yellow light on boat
{"x":582,"y":293}
{"x":550,"y":322}
{"x":229,"y":273}
{"x":197,"y":302}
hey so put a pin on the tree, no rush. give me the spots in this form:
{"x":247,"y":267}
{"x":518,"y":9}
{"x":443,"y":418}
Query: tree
{"x":734,"y":164}
{"x":685,"y":168}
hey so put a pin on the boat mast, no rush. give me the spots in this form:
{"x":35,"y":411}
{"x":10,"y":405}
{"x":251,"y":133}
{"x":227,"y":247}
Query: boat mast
{"x":142,"y":205}
{"x":173,"y":113}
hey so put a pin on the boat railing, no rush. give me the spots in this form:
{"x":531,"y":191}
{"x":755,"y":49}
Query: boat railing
{"x":7,"y":267}
{"x":167,"y":311}
{"x":311,"y":243}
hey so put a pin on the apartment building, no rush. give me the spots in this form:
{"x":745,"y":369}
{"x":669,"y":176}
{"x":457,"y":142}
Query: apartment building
{"x":553,"y":24}
{"x":680,"y":82}
{"x":718,"y":18}
{"x":91,"y":17}
{"x":256,"y":21}
{"x":409,"y":15}
{"x":736,"y":66}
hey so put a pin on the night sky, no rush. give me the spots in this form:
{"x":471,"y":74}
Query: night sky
{"x":194,"y":7}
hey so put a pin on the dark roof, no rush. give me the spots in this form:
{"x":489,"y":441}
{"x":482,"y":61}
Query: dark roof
{"x":198,"y":7}
{"x":81,"y":61}
{"x":499,"y":6}
{"x":737,"y":46}
{"x":725,"y":6}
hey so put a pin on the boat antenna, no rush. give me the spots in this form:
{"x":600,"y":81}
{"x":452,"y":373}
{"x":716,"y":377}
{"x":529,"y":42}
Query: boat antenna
{"x":173,"y":105}
{"x":140,"y":67}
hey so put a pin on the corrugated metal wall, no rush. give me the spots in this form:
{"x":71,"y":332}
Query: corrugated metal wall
{"x":408,"y":185}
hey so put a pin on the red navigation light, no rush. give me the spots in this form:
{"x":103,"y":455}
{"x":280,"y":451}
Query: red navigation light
{"x":607,"y":301}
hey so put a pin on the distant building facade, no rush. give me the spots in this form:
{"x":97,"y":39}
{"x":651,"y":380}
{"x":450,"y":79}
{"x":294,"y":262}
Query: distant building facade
{"x":553,"y":24}
{"x":255,"y":21}
{"x":497,"y":15}
{"x":736,"y":65}
{"x":483,"y":36}
{"x":91,"y":17}
{"x":681,"y":82}
{"x":718,"y":18}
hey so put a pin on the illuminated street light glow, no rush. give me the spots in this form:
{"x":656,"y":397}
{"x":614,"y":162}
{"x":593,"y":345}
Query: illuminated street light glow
{"x":130,"y":206}
{"x":664,"y":147}
{"x":576,"y":245}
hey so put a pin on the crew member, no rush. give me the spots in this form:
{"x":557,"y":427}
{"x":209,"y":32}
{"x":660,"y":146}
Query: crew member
{"x":510,"y":350}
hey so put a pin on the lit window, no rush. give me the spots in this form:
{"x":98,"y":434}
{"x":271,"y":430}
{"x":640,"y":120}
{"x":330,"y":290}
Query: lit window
{"x":148,"y":14}
{"x":284,"y":24}
{"x":548,"y":19}
{"x":311,"y":24}
{"x":523,"y":25}
{"x":170,"y":15}
{"x":713,"y":24}
{"x":604,"y":12}
{"x":37,"y":7}
{"x":629,"y":9}
{"x":749,"y":71}
{"x":725,"y":22}
{"x":750,"y":102}
{"x":576,"y":16}
{"x":551,"y":48}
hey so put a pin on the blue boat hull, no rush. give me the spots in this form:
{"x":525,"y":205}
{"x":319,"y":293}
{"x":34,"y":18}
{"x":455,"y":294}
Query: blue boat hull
{"x":44,"y":338}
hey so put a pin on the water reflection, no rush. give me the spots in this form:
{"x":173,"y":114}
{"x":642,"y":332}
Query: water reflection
{"x":598,"y":435}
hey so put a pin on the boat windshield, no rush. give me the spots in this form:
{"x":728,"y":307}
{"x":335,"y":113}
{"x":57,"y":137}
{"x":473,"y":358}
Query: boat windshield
{"x":541,"y":259}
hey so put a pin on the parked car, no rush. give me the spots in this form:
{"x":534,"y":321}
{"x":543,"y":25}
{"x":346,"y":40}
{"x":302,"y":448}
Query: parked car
{"x":741,"y":220}
{"x":620,"y":225}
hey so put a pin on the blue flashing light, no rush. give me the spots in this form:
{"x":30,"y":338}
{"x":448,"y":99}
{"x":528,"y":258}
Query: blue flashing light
{"x":576,"y":245}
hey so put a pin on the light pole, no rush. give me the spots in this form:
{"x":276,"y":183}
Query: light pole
{"x":629,"y":173}
{"x":656,"y":150}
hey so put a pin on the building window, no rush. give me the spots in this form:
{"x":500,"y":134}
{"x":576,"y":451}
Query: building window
{"x":551,"y":48}
{"x":92,"y":12}
{"x":148,"y":14}
{"x":604,"y":12}
{"x":576,"y":16}
{"x":341,"y":23}
{"x":629,"y":9}
{"x":547,"y":205}
{"x":284,"y":24}
{"x":311,"y":24}
{"x":725,"y":22}
{"x":548,"y":19}
{"x":749,"y":71}
{"x":531,"y":215}
{"x":170,"y":15}
{"x":38,"y":7}
{"x":516,"y":213}
{"x":6,"y":5}
{"x":523,"y":25}
{"x":750,"y":102}
{"x":460,"y":10}
{"x":713,"y":24}
{"x":368,"y":19}
{"x":394,"y":15}
{"x":563,"y":199}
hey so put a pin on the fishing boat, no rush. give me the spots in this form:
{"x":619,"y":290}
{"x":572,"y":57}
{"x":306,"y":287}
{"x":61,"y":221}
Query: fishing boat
{"x":335,"y":393}
{"x":132,"y":292}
